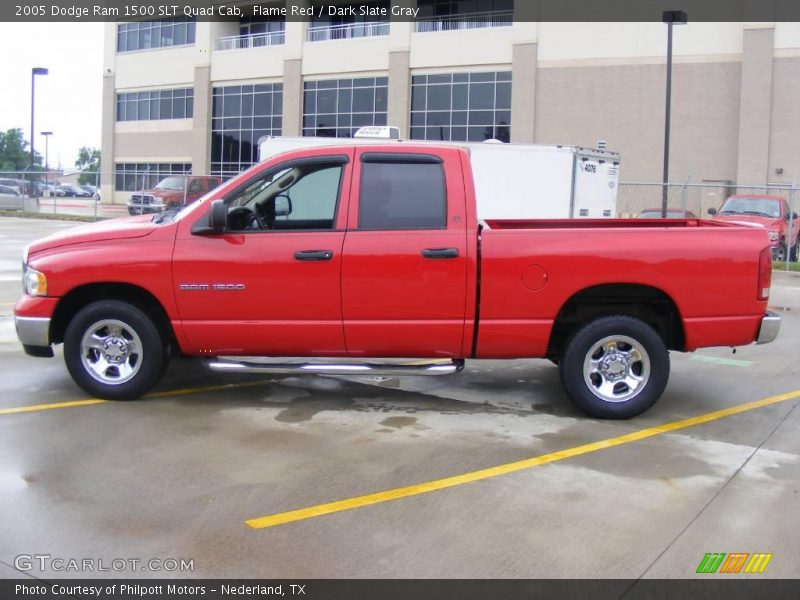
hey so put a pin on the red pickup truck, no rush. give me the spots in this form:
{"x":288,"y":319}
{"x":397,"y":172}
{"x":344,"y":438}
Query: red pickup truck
{"x":770,"y":212}
{"x":345,"y":255}
{"x":170,"y":193}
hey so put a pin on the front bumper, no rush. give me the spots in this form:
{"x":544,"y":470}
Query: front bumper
{"x":33,"y":331}
{"x":145,"y":209}
{"x":770,"y":326}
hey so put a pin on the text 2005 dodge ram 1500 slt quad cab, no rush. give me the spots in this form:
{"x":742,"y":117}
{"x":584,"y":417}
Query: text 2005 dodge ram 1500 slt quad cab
{"x":360,"y":253}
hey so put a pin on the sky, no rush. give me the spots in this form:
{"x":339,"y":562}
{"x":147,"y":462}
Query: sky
{"x":68,"y":99}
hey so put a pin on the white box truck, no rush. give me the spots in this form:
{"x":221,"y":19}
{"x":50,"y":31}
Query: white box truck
{"x":512,"y":181}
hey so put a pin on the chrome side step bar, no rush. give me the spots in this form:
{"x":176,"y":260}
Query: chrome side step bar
{"x":231,"y":365}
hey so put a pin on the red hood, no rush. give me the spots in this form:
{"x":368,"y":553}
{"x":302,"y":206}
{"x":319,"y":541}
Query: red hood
{"x":113,"y":229}
{"x":768,"y":222}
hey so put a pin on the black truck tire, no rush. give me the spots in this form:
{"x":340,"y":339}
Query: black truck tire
{"x":114,"y":351}
{"x":615,"y":367}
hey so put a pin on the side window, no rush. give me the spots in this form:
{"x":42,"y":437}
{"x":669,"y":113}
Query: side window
{"x":310,"y":203}
{"x":300,"y":196}
{"x":402,"y":195}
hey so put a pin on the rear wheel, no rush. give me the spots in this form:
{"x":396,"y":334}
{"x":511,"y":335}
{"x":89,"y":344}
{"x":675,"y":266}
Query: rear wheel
{"x":615,"y":367}
{"x":114,"y":351}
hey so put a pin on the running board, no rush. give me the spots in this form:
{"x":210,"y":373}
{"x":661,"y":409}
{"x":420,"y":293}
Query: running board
{"x":231,"y":365}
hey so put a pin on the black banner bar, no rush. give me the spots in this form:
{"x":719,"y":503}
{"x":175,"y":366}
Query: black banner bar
{"x":712,"y":587}
{"x":395,"y":10}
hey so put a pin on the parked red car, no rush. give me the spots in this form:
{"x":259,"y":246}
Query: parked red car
{"x":771,"y":212}
{"x":171,"y":192}
{"x":375,"y":251}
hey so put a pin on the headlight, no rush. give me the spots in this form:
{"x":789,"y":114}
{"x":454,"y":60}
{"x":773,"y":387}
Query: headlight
{"x":773,"y":235}
{"x":34,"y":282}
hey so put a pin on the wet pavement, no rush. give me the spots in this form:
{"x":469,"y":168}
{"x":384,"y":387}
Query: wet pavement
{"x":177,"y":475}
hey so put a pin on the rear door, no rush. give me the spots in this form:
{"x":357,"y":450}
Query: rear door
{"x":404,"y":265}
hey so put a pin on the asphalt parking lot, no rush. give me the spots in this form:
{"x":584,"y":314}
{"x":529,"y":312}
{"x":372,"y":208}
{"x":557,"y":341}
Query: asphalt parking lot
{"x":189,"y":472}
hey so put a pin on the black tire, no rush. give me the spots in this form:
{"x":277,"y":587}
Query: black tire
{"x":624,"y":349}
{"x":795,"y":251}
{"x":129,"y":344}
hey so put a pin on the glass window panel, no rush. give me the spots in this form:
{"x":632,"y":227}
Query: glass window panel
{"x":439,"y":97}
{"x":438,"y":118}
{"x":144,"y":110}
{"x":247,"y":104}
{"x":503,"y":95}
{"x":262,"y":104}
{"x":481,"y":117}
{"x":326,"y":101}
{"x":444,"y":78}
{"x":381,"y":99}
{"x":165,"y":108}
{"x":418,"y":95}
{"x":417,"y":133}
{"x":460,"y":97}
{"x":179,"y":108}
{"x":363,"y":99}
{"x":481,"y":77}
{"x":481,"y":96}
{"x":504,"y":76}
{"x":459,"y":117}
{"x":345,"y":100}
{"x":458,"y":134}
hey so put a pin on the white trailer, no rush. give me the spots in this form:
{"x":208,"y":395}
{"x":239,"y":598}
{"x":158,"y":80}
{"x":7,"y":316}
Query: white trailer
{"x":512,"y":181}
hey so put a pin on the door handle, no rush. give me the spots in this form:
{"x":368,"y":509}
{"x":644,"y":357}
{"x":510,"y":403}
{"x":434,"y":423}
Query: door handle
{"x":313,"y":255}
{"x":440,"y":253}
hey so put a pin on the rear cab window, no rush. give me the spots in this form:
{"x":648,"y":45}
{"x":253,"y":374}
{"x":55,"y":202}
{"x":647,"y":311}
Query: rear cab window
{"x":402,"y":191}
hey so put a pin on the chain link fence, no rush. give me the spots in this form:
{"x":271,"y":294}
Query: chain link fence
{"x":143,"y":188}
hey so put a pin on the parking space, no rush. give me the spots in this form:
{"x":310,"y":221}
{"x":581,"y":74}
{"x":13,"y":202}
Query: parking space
{"x":238,"y":473}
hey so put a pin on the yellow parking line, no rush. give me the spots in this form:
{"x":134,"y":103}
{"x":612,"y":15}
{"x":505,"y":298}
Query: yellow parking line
{"x":90,"y":401}
{"x":448,"y":482}
{"x":35,"y":407}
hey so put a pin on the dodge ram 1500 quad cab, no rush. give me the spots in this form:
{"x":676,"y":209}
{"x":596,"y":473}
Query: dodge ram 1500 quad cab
{"x":347,"y":255}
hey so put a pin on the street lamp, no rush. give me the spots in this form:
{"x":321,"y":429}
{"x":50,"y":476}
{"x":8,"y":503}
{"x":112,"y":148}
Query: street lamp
{"x":46,"y":135}
{"x":34,"y":72}
{"x":670,"y":17}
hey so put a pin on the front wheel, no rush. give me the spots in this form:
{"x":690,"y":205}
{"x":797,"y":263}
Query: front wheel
{"x":114,"y":351}
{"x":615,"y":367}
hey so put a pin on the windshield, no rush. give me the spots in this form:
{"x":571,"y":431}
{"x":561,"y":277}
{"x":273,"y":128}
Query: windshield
{"x":172,"y":183}
{"x":759,"y":207}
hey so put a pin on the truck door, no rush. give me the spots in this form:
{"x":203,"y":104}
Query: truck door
{"x":270,"y":284}
{"x":404,"y":265}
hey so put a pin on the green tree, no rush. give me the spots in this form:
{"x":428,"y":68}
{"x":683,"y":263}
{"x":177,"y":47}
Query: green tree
{"x":14,"y":152}
{"x":89,"y":164}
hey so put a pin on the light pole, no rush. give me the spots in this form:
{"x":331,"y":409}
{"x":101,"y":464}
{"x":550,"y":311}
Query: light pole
{"x":46,"y":135}
{"x":34,"y":72}
{"x":670,"y":17}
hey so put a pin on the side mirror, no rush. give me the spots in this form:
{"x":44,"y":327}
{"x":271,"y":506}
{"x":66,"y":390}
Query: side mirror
{"x":712,"y":211}
{"x":217,"y":216}
{"x":793,"y":216}
{"x":283,"y":205}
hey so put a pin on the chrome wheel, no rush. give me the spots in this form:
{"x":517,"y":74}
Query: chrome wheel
{"x":111,"y":351}
{"x":616,"y":368}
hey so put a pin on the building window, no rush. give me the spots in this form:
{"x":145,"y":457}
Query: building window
{"x":133,"y":177}
{"x":349,"y":22}
{"x":156,"y":105}
{"x":339,"y":107}
{"x":461,"y":107}
{"x":451,"y":15}
{"x":242,"y":114}
{"x":255,"y":32}
{"x":147,"y":35}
